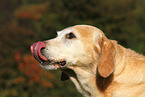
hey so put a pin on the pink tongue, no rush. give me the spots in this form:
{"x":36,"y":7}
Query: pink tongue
{"x":36,"y":51}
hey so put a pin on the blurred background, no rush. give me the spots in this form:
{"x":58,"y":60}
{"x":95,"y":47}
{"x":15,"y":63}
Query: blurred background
{"x":23,"y":22}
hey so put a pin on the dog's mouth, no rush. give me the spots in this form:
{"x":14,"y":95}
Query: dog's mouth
{"x":45,"y":63}
{"x":52,"y":65}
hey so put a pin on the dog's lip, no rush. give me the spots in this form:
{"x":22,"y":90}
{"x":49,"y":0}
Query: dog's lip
{"x":57,"y":63}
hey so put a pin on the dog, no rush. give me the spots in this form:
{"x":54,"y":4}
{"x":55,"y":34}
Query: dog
{"x":98,"y":66}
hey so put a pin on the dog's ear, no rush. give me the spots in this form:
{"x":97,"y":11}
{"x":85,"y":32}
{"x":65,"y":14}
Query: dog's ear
{"x":106,"y":57}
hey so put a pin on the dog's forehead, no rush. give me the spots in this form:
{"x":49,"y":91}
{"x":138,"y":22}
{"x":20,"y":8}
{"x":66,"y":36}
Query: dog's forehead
{"x":81,"y":30}
{"x":64,"y":31}
{"x":84,"y":30}
{"x":89,"y":31}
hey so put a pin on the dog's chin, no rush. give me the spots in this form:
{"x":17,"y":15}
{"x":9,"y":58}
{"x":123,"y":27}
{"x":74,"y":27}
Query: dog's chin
{"x":53,"y":65}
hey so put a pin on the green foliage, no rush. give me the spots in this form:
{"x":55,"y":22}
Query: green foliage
{"x":22,"y":22}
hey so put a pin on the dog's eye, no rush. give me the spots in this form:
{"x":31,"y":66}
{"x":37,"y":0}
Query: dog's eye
{"x":70,"y":36}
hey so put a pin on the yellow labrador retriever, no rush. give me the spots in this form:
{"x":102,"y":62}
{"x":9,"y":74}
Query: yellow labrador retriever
{"x":98,"y":67}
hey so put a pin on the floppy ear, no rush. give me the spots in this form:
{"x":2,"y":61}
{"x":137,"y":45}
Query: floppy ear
{"x":106,"y":57}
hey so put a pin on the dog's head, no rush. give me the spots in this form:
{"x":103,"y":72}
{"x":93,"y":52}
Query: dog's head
{"x":79,"y":46}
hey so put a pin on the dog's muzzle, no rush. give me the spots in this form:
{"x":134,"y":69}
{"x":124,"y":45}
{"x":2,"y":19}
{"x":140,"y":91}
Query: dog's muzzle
{"x":36,"y":50}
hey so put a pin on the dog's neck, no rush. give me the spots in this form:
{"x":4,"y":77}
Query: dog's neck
{"x":123,"y":68}
{"x":85,"y":81}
